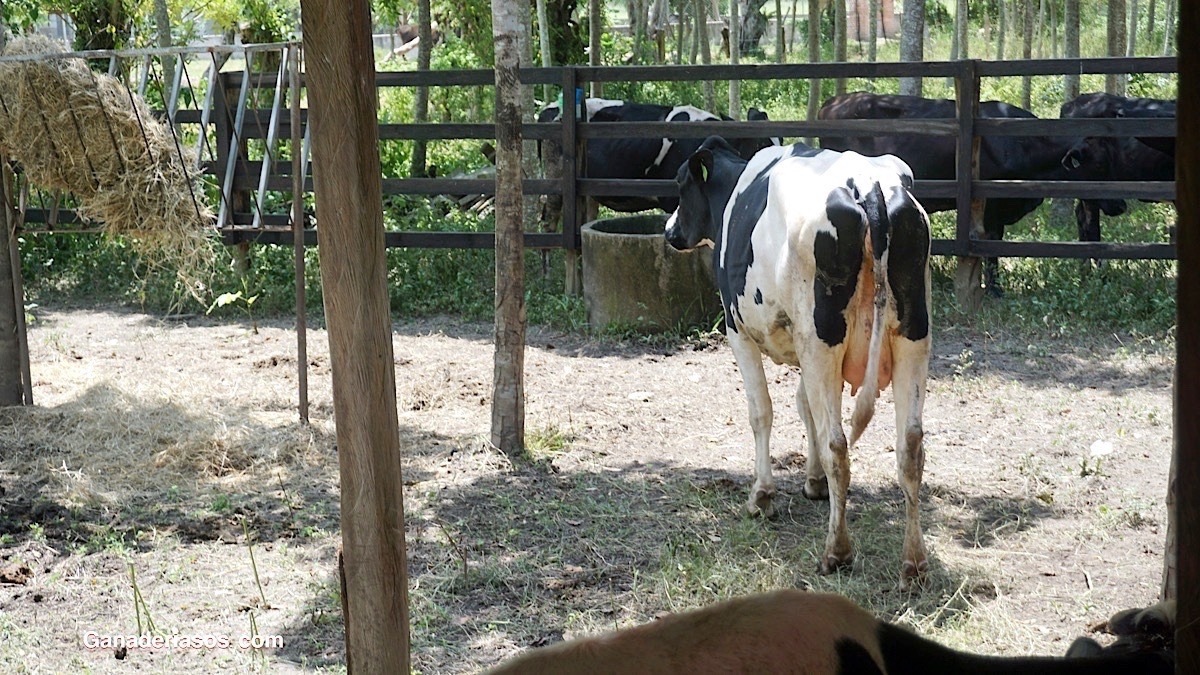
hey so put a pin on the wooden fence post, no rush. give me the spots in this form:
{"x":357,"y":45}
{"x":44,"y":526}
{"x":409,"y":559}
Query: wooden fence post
{"x":1187,"y":361}
{"x":968,"y":288}
{"x":342,"y":98}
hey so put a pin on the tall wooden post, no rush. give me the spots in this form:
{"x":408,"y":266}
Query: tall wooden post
{"x":508,"y":380}
{"x":342,"y":103}
{"x":1187,"y":360}
{"x":967,"y":279}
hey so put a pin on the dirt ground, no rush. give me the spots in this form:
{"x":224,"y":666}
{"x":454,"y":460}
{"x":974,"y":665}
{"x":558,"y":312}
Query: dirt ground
{"x":162,"y":481}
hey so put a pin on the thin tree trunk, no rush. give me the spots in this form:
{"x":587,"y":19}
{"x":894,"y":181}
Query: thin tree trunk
{"x":960,"y":28}
{"x":1026,"y":50}
{"x":1041,"y":29}
{"x":1071,"y":46}
{"x":595,"y":29}
{"x":735,"y":52}
{"x":1114,"y":83}
{"x":839,"y":41}
{"x":421,"y":99}
{"x":530,"y":163}
{"x":987,"y":35}
{"x":1169,"y":29}
{"x":340,"y":73}
{"x":792,"y":32}
{"x":1053,"y":31}
{"x":699,"y":30}
{"x":1002,"y":30}
{"x":508,"y":385}
{"x":1133,"y":27}
{"x":544,"y":45}
{"x":780,"y":45}
{"x":710,"y":94}
{"x":814,"y":56}
{"x":1150,"y":12}
{"x":873,"y":30}
{"x":682,"y":37}
{"x":912,"y":43}
{"x":162,"y":27}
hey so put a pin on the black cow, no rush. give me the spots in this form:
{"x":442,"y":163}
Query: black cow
{"x":934,"y":157}
{"x":1141,"y":159}
{"x":633,"y":158}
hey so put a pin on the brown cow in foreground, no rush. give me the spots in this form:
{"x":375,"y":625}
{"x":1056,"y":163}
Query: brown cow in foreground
{"x":791,"y":631}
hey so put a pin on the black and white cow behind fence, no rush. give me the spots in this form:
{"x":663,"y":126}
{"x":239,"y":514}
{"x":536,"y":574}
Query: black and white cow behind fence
{"x":633,"y":157}
{"x":934,"y":157}
{"x":822,"y":261}
{"x":1124,"y":158}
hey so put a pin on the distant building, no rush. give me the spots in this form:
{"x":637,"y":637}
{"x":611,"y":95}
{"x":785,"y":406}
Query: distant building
{"x":887,"y":24}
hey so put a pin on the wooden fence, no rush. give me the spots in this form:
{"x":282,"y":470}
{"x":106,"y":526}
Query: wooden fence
{"x":249,"y":110}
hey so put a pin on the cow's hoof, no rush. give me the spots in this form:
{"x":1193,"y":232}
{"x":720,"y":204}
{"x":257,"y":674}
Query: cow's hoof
{"x":832,"y":562}
{"x":912,"y":572}
{"x":762,"y":503}
{"x":817,"y":489}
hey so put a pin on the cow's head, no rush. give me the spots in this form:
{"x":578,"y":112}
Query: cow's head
{"x":1092,"y":157}
{"x":746,"y":147}
{"x":693,"y":222}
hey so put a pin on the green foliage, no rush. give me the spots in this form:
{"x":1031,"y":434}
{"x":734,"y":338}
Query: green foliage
{"x":19,"y":16}
{"x":269,"y":20}
{"x":99,"y":24}
{"x":472,"y":22}
{"x":391,"y":12}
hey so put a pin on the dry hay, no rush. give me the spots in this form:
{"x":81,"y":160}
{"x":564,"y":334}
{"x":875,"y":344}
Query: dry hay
{"x":82,"y":132}
{"x":108,"y":446}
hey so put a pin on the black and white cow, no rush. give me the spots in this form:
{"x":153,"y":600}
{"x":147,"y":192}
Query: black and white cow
{"x":633,"y":158}
{"x":935,"y":157}
{"x":822,"y":260}
{"x":792,"y":631}
{"x":1134,"y":159}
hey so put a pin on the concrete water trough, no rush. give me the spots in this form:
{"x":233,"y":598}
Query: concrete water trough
{"x":632,"y":279}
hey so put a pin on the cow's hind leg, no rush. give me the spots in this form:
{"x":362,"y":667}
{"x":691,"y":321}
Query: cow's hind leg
{"x":758,"y":400}
{"x":908,"y":386}
{"x":823,"y":387}
{"x":816,"y":486}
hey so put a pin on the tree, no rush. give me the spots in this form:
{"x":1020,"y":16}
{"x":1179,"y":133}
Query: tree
{"x":961,"y":16}
{"x":735,"y":51}
{"x":814,"y":56}
{"x":839,"y":40}
{"x":340,"y":74}
{"x":912,"y":43}
{"x":421,"y":95}
{"x":780,"y":43}
{"x":162,"y":25}
{"x":710,"y":95}
{"x":1114,"y":83}
{"x":873,"y":30}
{"x":1133,"y":25}
{"x":1026,"y":50}
{"x":508,"y":384}
{"x":1071,"y":35}
{"x":1002,"y":30}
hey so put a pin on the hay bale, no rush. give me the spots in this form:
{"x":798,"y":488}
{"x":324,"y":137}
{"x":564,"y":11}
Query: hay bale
{"x":75,"y":130}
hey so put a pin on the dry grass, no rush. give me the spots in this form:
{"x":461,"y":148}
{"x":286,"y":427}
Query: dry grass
{"x":161,"y":445}
{"x":85,"y":133}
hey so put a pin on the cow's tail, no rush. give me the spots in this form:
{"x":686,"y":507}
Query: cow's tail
{"x":875,"y":207}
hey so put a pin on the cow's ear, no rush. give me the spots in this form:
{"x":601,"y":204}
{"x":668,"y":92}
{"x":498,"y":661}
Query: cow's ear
{"x":700,"y":163}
